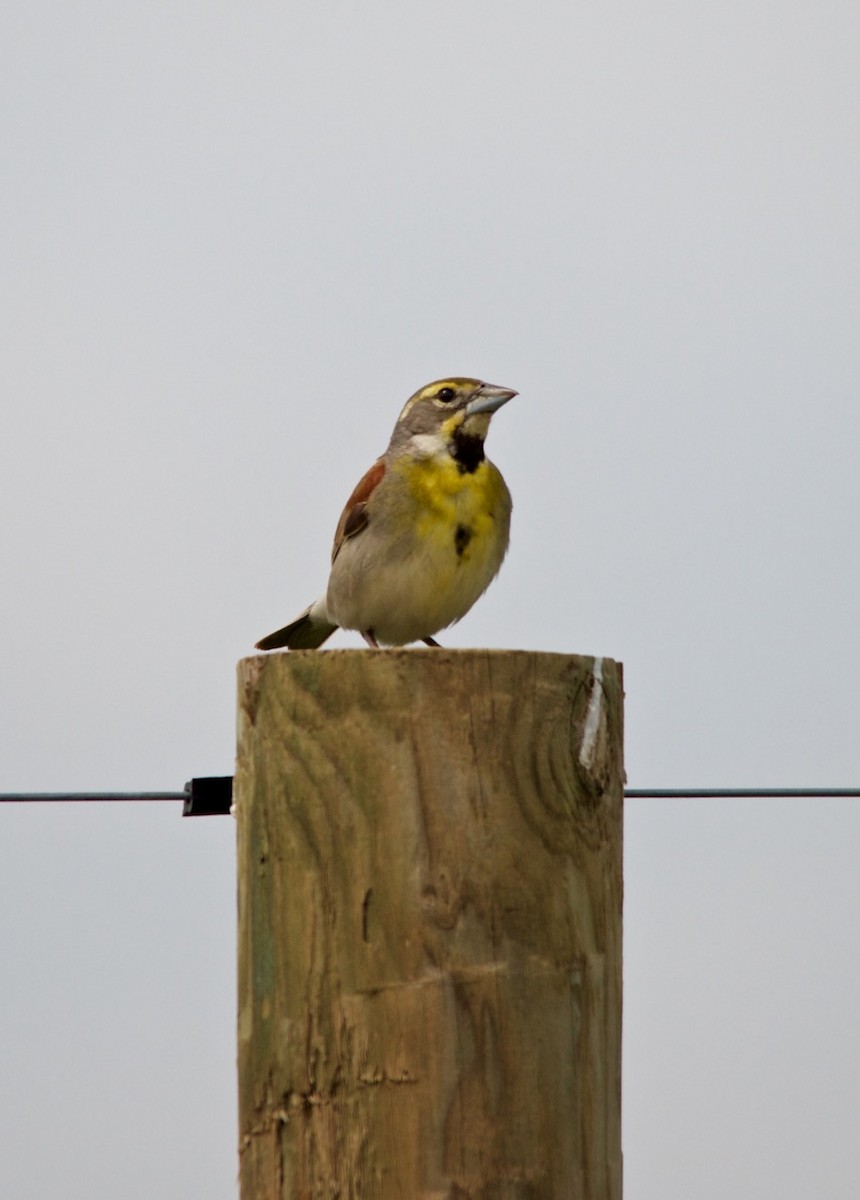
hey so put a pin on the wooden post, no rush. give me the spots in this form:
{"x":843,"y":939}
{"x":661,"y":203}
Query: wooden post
{"x":430,"y":925}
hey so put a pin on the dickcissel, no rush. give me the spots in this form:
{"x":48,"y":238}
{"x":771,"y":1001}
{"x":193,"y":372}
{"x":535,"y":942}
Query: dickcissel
{"x":425,"y":531}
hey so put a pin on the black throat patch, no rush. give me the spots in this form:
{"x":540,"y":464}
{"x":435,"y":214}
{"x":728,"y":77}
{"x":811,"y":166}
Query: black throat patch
{"x":467,"y":452}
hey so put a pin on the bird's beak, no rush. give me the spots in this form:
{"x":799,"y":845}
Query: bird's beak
{"x":487,"y":399}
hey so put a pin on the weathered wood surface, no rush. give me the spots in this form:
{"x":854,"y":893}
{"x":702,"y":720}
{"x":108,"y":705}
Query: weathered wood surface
{"x":430,"y":896}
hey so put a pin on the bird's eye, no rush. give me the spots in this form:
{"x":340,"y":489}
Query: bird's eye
{"x":445,"y":394}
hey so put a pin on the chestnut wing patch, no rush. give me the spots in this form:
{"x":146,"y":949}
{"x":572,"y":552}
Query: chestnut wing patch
{"x":354,"y":517}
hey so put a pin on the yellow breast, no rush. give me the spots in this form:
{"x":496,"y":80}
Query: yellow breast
{"x":456,"y":509}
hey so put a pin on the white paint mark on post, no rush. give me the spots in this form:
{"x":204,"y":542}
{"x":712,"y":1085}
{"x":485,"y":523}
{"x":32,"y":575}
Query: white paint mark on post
{"x":592,"y":717}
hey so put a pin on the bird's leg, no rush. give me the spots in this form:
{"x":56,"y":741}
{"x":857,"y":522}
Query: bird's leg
{"x":369,"y":637}
{"x":431,"y":642}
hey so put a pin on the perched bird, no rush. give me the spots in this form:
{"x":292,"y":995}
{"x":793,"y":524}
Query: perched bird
{"x":425,"y":531}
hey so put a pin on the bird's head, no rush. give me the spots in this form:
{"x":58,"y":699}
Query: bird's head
{"x":450,"y":415}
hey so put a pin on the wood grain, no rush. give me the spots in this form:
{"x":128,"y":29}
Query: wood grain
{"x":430,"y":898}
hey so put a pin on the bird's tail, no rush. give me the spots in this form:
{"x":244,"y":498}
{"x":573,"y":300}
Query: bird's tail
{"x":307,"y":632}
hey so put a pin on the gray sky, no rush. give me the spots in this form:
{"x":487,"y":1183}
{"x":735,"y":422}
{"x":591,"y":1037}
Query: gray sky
{"x":234,"y":239}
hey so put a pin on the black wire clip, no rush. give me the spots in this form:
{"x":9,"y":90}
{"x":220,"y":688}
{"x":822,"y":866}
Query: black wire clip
{"x":210,"y":796}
